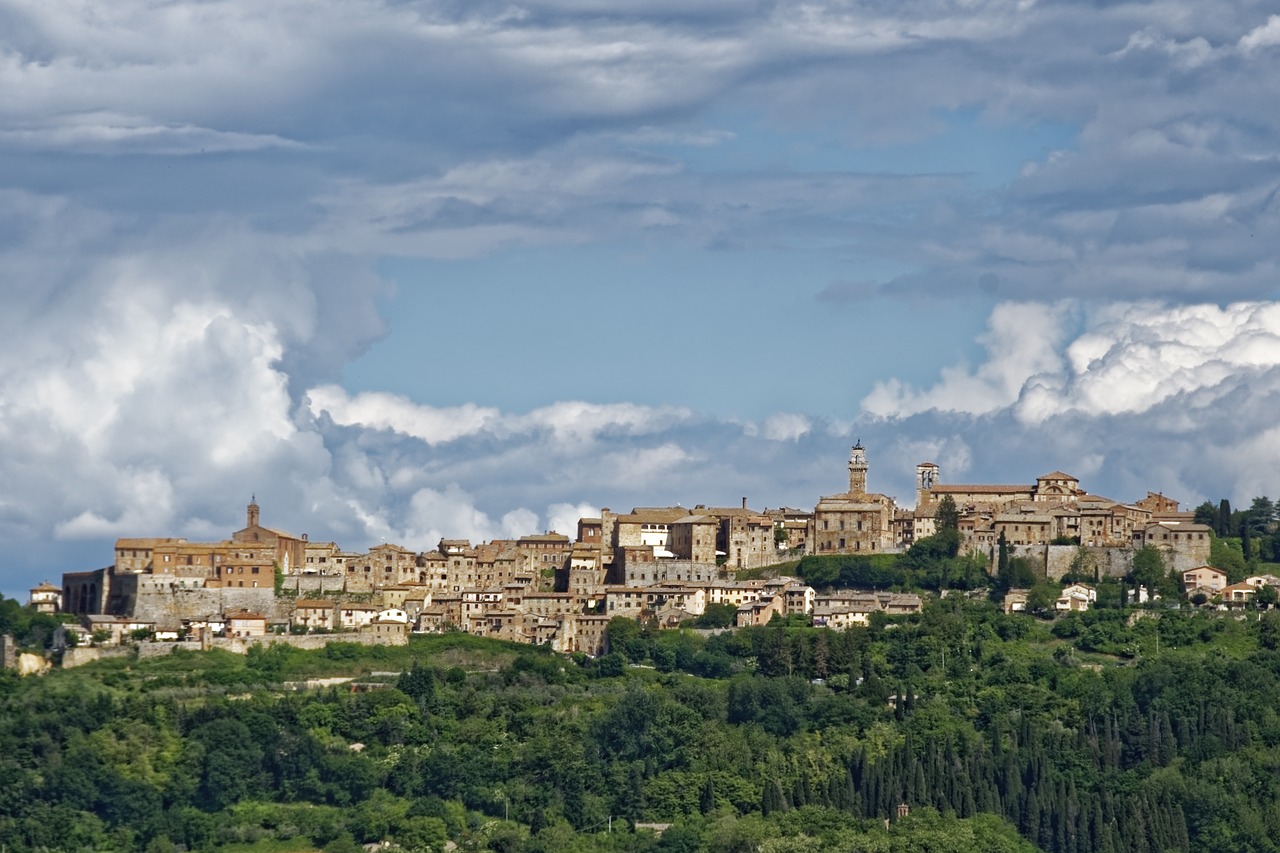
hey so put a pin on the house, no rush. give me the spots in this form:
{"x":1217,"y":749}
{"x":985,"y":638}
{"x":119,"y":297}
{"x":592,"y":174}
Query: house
{"x":1076,"y":597}
{"x":352,"y":615}
{"x":1015,"y":600}
{"x":243,"y":623}
{"x":314,"y":613}
{"x":388,"y":632}
{"x":116,"y":628}
{"x":1204,"y":577}
{"x":46,"y":598}
{"x":1238,"y":593}
{"x":759,"y":612}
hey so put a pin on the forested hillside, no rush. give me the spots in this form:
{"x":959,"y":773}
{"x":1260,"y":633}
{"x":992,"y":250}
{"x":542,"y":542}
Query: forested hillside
{"x":988,"y":727}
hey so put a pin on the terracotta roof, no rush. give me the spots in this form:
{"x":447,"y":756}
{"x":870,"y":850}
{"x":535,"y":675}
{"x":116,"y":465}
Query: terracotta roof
{"x":545,"y":537}
{"x":146,"y":542}
{"x":983,"y":488}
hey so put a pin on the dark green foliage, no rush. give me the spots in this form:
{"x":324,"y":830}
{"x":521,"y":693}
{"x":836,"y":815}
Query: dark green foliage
{"x":715,"y":616}
{"x":30,"y":629}
{"x":931,"y":563}
{"x":999,"y":737}
{"x":948,"y":516}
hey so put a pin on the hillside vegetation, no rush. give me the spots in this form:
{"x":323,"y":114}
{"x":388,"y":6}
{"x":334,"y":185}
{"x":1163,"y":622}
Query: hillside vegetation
{"x":1103,"y":732}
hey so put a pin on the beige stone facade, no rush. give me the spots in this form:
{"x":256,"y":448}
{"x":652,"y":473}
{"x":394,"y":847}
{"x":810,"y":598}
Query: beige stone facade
{"x":855,"y":522}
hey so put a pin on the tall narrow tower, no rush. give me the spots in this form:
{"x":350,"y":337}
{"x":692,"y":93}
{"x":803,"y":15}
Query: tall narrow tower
{"x":253,"y":511}
{"x":858,"y":470}
{"x":927,"y":474}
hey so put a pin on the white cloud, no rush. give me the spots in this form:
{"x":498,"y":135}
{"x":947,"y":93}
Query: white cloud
{"x":376,"y":410}
{"x":1130,"y":358}
{"x":785,"y":426}
{"x":1021,"y":341}
{"x":563,"y":517}
{"x":1262,"y":36}
{"x":105,"y":133}
{"x":570,"y":421}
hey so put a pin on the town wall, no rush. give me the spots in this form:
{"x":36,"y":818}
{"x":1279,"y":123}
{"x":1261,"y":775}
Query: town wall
{"x":161,"y":599}
{"x":1100,"y":562}
{"x":82,"y":655}
{"x":314,"y":586}
{"x":1058,"y":560}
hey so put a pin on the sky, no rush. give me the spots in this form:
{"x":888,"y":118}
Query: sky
{"x":405,"y":270}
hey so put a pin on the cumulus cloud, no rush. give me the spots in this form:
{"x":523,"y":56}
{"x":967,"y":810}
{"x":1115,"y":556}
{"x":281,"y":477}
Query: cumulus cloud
{"x":568,"y":421}
{"x":1022,"y":342}
{"x":785,"y":426}
{"x":1129,"y":358}
{"x":1145,"y":395}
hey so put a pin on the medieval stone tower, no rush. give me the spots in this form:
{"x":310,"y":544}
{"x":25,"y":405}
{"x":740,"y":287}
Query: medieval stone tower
{"x":858,"y":470}
{"x":927,"y":475}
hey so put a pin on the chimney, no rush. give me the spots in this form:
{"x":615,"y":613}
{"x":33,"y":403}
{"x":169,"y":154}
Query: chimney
{"x":744,"y":502}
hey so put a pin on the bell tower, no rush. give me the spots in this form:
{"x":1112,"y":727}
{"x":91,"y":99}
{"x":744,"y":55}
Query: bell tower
{"x":858,"y":470}
{"x":927,"y":475}
{"x":253,"y":511}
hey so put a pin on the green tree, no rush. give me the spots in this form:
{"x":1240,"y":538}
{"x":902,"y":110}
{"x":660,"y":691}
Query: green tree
{"x":1207,"y":514}
{"x":948,"y":516}
{"x":1148,"y":569}
{"x":1042,"y":599}
{"x":1226,"y":555}
{"x":1262,"y":515}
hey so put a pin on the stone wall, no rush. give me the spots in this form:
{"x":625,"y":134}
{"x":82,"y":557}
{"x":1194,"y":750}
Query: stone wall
{"x":669,"y":571}
{"x":8,"y":652}
{"x":148,"y":598}
{"x":1096,"y":562}
{"x":315,"y":586}
{"x":241,"y":645}
{"x":82,"y":655}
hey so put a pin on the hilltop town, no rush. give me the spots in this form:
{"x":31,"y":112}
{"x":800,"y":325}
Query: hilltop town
{"x":667,"y":565}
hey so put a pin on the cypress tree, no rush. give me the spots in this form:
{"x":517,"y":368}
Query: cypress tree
{"x":1002,"y":560}
{"x":771,"y":799}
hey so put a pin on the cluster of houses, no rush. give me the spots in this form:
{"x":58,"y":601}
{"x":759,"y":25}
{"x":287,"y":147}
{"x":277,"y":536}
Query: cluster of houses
{"x":1204,"y":585}
{"x":666,"y":564}
{"x":1053,"y":509}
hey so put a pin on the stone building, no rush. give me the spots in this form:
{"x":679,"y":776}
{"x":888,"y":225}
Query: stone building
{"x":46,"y":598}
{"x":540,"y":555}
{"x":693,"y":538}
{"x":290,"y":551}
{"x":855,"y":521}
